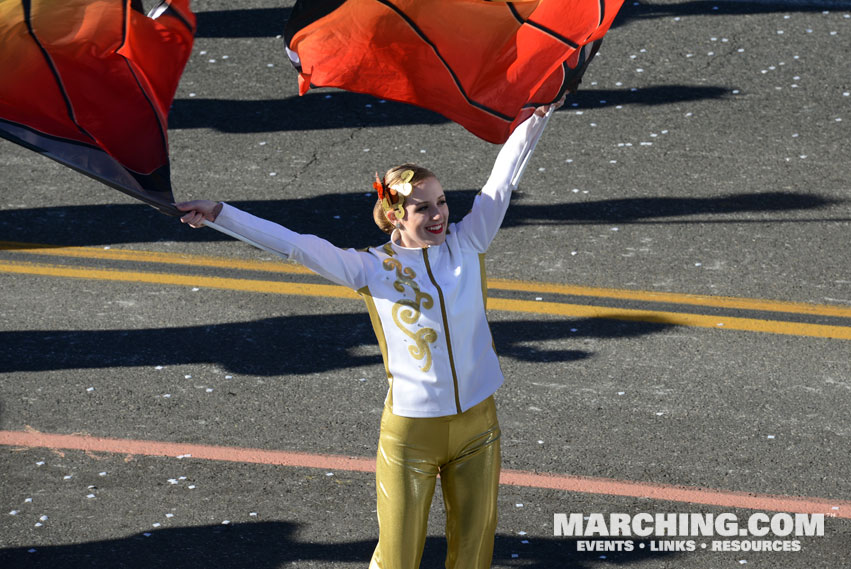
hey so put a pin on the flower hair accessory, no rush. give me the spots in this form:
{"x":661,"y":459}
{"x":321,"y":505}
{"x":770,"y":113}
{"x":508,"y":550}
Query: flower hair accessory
{"x":393,"y":197}
{"x":405,"y":188}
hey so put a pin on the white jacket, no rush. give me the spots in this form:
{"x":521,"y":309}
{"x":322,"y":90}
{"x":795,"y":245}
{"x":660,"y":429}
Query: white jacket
{"x":427,"y":306}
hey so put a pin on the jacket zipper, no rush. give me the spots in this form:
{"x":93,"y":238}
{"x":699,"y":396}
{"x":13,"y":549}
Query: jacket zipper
{"x":446,"y":330}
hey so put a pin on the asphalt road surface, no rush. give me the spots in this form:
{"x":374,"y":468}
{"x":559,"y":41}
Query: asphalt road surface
{"x":670,"y":296}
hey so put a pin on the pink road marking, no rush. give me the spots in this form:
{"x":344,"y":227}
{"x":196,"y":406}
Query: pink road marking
{"x":581,"y":484}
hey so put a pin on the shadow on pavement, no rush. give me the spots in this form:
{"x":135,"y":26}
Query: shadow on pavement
{"x":342,"y":109}
{"x":268,"y":545}
{"x":347,"y":218}
{"x":242,"y":23}
{"x":522,"y":340}
{"x":276,"y":346}
{"x":313,"y":111}
{"x":626,"y":210}
{"x":630,"y":12}
{"x":270,"y":22}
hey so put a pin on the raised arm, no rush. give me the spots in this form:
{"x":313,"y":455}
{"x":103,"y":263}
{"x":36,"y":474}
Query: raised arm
{"x":479,"y":227}
{"x":346,"y":267}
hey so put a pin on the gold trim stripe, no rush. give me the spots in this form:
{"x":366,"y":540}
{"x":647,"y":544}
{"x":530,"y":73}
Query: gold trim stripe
{"x":445,"y":329}
{"x":484,"y":278}
{"x":378,"y":328}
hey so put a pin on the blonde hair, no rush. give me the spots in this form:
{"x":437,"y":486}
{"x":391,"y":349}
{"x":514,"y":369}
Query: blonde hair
{"x":394,"y":176}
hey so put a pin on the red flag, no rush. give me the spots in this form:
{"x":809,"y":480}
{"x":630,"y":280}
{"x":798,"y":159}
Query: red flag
{"x":89,"y":83}
{"x":484,"y":65}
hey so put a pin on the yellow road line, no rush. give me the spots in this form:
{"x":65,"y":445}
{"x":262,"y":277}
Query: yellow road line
{"x":246,"y":285}
{"x":510,"y":305}
{"x":496,"y":284}
{"x":673,"y":318}
{"x":278,"y":266}
{"x":675,"y":298}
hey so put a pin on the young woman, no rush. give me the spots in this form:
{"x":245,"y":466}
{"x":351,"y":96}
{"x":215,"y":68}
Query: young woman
{"x":426,"y":292}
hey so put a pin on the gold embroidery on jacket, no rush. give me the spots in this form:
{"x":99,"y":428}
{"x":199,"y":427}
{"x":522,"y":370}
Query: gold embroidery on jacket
{"x":408,"y":312}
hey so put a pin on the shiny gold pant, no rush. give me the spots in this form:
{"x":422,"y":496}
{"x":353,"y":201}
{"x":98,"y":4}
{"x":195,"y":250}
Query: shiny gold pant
{"x":464,"y":449}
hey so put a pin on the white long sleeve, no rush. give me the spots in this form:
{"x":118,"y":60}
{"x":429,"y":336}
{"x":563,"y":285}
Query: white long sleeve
{"x":346,"y":267}
{"x":479,"y":227}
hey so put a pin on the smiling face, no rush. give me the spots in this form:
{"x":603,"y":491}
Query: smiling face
{"x":426,"y":216}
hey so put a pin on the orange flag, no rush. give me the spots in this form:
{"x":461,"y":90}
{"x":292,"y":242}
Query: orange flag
{"x":484,"y":65}
{"x":89,"y":83}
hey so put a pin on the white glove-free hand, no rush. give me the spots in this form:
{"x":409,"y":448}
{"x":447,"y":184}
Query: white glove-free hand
{"x":199,"y":211}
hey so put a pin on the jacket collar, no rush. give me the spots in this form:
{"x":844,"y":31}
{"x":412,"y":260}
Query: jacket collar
{"x":393,"y":247}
